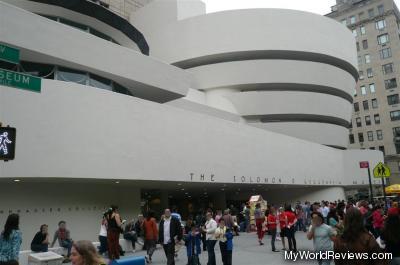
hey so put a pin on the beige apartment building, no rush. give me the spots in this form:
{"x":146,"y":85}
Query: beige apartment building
{"x":376,"y":107}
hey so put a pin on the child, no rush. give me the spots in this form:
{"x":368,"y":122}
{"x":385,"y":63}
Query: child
{"x":193,"y":247}
{"x":225,"y":237}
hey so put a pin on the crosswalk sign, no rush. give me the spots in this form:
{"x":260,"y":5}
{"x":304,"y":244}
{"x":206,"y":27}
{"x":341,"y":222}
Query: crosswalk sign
{"x":381,"y":171}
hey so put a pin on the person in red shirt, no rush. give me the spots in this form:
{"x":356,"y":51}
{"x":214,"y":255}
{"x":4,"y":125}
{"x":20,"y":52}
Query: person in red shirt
{"x":150,"y":235}
{"x":290,"y":228}
{"x":377,"y":220}
{"x":282,"y":225}
{"x":272,"y":222}
{"x":394,"y":210}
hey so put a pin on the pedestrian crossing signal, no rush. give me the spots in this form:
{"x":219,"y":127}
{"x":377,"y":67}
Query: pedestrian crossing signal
{"x":7,"y":143}
{"x":381,"y":171}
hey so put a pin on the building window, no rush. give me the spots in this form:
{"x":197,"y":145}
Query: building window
{"x":371,"y":13}
{"x":355,"y":93}
{"x":351,"y":138}
{"x":358,"y":46}
{"x":380,"y":24}
{"x":363,"y":90}
{"x":358,"y":122}
{"x":383,"y":39}
{"x":396,"y":132}
{"x":365,"y":44}
{"x":385,"y":53}
{"x":381,"y":10}
{"x":70,"y":75}
{"x":372,"y":88}
{"x":390,"y":83}
{"x":370,"y":135}
{"x":372,"y":148}
{"x":367,"y":58}
{"x":361,"y":137}
{"x":370,"y":73}
{"x":354,"y":32}
{"x":100,"y":82}
{"x":367,"y":120}
{"x":397,"y":148}
{"x":365,"y":105}
{"x":362,"y":30}
{"x":393,"y":99}
{"x":356,"y":107}
{"x":382,"y":149}
{"x":359,"y":60}
{"x":352,"y":20}
{"x":361,"y":74}
{"x":377,"y":119}
{"x":374,"y":102}
{"x":395,"y":115}
{"x":344,"y":22}
{"x":379,"y":134}
{"x":387,"y":68}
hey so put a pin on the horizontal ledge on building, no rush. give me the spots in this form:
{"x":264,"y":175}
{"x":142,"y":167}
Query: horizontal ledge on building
{"x":269,"y":118}
{"x":104,"y":15}
{"x":290,"y":87}
{"x":268,"y":54}
{"x":337,"y":147}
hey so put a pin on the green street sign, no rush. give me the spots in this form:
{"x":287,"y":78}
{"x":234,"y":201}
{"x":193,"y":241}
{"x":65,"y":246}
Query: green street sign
{"x":9,"y":54}
{"x":19,"y":80}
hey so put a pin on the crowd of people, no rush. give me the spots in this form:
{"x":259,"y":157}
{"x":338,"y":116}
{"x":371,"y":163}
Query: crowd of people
{"x":341,"y":227}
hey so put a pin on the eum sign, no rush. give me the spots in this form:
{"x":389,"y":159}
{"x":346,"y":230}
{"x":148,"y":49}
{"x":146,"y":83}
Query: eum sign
{"x":19,"y":80}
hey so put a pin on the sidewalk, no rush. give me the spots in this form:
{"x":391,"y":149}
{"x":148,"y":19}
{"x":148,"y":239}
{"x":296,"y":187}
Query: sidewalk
{"x":247,"y":251}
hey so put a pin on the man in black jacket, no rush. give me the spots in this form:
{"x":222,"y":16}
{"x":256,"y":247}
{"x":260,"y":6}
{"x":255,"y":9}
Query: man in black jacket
{"x":170,"y":232}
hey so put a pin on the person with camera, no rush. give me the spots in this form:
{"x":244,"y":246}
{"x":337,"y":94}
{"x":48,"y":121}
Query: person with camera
{"x":114,"y":228}
{"x":321,"y":234}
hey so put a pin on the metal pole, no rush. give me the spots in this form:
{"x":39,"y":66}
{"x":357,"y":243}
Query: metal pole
{"x":370,"y":186}
{"x":384,"y":193}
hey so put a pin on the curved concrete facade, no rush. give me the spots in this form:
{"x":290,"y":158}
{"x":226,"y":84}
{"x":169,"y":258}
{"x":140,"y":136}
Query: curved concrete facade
{"x":277,"y":75}
{"x":62,"y":45}
{"x":266,"y":50}
{"x":198,"y":36}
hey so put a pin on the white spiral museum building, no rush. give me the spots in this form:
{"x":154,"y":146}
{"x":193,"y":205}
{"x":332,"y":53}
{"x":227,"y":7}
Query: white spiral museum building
{"x":173,"y":107}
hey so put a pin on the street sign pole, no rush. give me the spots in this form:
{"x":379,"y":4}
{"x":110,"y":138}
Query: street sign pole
{"x":371,"y":196}
{"x":384,"y":193}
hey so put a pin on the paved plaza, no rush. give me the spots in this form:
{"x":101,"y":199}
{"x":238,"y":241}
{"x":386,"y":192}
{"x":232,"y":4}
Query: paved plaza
{"x":247,"y":251}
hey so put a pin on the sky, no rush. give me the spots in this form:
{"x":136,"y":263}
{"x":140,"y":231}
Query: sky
{"x":321,"y":7}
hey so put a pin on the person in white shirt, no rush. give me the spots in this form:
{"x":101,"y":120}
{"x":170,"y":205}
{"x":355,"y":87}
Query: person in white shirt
{"x":325,"y":211}
{"x":220,"y":235}
{"x":103,"y":236}
{"x":169,"y":233}
{"x":209,"y":229}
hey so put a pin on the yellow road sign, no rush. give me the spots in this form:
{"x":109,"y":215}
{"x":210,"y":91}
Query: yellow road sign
{"x":381,"y":171}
